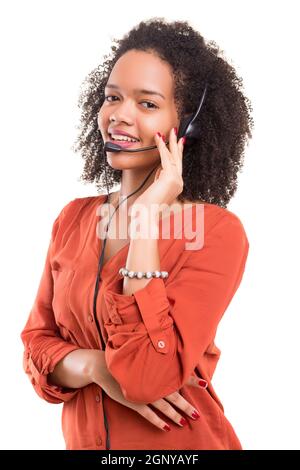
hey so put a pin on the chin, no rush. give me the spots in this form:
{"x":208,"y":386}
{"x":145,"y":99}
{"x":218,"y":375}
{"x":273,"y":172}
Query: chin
{"x":122,"y":162}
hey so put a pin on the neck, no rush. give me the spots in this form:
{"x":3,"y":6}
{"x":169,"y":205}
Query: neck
{"x":132,"y":180}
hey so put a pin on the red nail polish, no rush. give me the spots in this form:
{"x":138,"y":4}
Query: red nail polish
{"x":183,"y":422}
{"x":167,"y":427}
{"x":195,"y":415}
{"x":175,"y":130}
{"x":183,"y":140}
{"x":163,"y":137}
{"x":158,"y":133}
{"x":202,"y":383}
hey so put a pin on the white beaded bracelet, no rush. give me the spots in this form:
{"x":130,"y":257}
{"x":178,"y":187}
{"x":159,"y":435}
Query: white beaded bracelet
{"x":140,"y":274}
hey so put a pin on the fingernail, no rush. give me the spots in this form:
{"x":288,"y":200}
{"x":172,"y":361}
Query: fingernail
{"x":202,"y":383}
{"x":167,"y":427}
{"x":158,"y":133}
{"x":183,"y":422}
{"x":195,"y":415}
{"x":163,"y":137}
{"x":175,"y":130}
{"x":183,"y":140}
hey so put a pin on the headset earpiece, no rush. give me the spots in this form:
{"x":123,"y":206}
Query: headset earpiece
{"x":188,"y":127}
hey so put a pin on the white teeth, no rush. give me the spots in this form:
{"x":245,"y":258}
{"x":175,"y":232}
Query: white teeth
{"x":123,"y":137}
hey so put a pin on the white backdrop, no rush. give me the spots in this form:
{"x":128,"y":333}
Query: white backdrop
{"x":47,"y":49}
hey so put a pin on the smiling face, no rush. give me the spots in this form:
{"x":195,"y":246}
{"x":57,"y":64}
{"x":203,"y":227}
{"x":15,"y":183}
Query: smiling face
{"x":129,"y":108}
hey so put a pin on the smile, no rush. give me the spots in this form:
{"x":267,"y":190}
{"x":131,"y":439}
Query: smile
{"x":123,"y":143}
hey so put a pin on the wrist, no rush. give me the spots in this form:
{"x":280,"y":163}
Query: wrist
{"x":95,"y":367}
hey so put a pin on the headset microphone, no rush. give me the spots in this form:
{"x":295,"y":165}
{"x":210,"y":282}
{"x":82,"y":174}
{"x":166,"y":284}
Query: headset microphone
{"x":187,"y":128}
{"x":111,"y":147}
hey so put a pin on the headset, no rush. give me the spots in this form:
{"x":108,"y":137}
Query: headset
{"x":188,"y":128}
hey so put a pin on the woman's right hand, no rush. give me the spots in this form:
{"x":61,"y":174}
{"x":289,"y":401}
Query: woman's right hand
{"x":111,"y":387}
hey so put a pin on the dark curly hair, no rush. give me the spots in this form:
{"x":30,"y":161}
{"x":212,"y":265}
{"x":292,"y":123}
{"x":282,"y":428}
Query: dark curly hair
{"x":211,"y":164}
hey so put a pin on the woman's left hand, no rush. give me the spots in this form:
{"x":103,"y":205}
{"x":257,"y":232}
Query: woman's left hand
{"x":168,"y":182}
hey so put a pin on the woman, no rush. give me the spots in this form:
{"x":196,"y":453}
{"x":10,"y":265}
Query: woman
{"x":134,"y":368}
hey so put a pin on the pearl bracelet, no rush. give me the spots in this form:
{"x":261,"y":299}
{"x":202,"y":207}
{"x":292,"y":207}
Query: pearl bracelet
{"x":140,"y":275}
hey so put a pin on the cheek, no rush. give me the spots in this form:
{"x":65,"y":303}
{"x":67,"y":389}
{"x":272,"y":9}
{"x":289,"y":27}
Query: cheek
{"x":102,"y":120}
{"x":150,"y":126}
{"x":161,"y":122}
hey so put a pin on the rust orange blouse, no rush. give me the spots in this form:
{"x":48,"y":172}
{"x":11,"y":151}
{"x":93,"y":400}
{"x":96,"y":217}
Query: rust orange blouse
{"x":181,"y":313}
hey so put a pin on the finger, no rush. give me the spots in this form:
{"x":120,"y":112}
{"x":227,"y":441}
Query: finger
{"x":162,"y":150}
{"x":157,"y":173}
{"x":176,"y":149}
{"x":180,"y":146}
{"x":196,"y":382}
{"x":173,"y":146}
{"x":181,"y":143}
{"x":152,"y":417}
{"x":168,"y":410}
{"x":181,"y":403}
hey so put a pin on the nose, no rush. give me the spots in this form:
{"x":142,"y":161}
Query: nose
{"x":123,"y":111}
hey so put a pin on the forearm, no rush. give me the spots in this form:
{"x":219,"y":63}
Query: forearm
{"x":143,"y":253}
{"x":75,"y":370}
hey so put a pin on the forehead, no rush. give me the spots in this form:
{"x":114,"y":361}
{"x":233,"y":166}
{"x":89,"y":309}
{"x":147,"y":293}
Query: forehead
{"x":139,"y":69}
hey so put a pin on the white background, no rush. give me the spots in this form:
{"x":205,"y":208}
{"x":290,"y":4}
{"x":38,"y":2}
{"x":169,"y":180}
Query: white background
{"x":47,"y":49}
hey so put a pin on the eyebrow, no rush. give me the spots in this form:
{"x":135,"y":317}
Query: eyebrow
{"x":147,"y":92}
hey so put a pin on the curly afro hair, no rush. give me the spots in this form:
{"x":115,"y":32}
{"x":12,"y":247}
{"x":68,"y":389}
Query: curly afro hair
{"x":211,"y":164}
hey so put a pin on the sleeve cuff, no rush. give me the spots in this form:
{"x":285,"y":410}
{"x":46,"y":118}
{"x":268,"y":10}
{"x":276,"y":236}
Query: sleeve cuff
{"x":39,"y":378}
{"x":148,"y":305}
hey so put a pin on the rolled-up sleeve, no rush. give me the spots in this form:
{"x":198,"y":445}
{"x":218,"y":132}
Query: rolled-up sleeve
{"x":157,"y":335}
{"x":43,"y":345}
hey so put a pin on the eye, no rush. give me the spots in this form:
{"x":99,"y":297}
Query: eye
{"x":148,"y":102}
{"x":109,"y":96}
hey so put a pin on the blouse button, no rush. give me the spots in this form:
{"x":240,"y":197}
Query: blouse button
{"x":161,"y":344}
{"x":98,"y":397}
{"x":116,"y":319}
{"x":99,"y":441}
{"x":90,"y":318}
